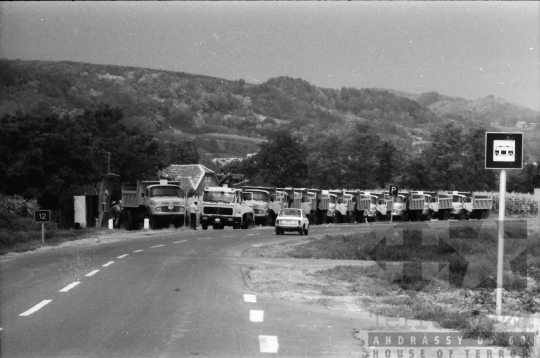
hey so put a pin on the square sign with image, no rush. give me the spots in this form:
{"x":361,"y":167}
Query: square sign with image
{"x":504,"y":150}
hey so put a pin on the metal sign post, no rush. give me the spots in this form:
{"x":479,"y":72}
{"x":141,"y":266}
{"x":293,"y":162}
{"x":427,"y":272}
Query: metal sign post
{"x":500,"y":247}
{"x":42,"y":216}
{"x":503,"y":151}
{"x":393,"y":191}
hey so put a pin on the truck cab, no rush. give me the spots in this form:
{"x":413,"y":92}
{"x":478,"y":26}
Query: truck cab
{"x":400,"y":207}
{"x":162,"y":202}
{"x":226,"y":207}
{"x":458,"y":206}
{"x":372,"y":211}
{"x":261,"y":202}
{"x":332,"y":199}
{"x":278,"y":200}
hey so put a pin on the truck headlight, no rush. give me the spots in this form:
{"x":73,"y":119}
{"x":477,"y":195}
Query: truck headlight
{"x":158,"y":209}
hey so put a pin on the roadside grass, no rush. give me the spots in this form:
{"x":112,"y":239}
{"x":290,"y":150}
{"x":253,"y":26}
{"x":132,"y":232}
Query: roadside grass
{"x":20,"y":234}
{"x":463,"y":306}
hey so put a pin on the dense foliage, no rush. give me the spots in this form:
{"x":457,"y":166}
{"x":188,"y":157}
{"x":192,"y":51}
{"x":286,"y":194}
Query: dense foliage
{"x":44,"y":155}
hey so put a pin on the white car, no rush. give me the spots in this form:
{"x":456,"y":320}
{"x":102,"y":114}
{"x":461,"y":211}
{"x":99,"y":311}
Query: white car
{"x":292,"y":220}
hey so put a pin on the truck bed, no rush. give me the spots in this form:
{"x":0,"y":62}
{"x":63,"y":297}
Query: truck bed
{"x":416,"y":202}
{"x":445,"y":202}
{"x":482,"y":203}
{"x":129,"y":198}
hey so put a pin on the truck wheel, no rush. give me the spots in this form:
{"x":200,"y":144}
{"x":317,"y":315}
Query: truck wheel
{"x":154,"y":223}
{"x":204,"y":226}
{"x":132,"y":223}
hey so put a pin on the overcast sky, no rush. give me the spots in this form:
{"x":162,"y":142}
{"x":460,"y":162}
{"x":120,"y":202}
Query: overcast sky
{"x":465,"y":49}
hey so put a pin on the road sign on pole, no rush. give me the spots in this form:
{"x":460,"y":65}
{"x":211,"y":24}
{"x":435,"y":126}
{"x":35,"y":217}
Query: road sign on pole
{"x":42,"y":216}
{"x":393,"y":190}
{"x":503,"y":151}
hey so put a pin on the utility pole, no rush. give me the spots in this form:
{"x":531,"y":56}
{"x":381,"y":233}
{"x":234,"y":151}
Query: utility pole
{"x":108,"y":162}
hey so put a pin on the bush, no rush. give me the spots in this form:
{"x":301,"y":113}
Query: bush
{"x":18,"y":205}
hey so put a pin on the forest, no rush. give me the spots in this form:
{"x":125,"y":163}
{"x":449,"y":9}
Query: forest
{"x":60,"y":119}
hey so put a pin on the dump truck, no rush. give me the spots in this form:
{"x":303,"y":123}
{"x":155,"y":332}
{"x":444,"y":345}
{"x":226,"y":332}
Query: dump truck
{"x":410,"y":206}
{"x":162,"y":202}
{"x":361,"y":204}
{"x":298,"y":199}
{"x":466,"y":205}
{"x":345,"y":206}
{"x":224,"y":206}
{"x":320,"y":203}
{"x":261,"y":203}
{"x":441,"y":205}
{"x":331,"y":211}
{"x":378,"y":208}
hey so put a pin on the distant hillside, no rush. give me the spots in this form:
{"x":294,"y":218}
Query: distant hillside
{"x":486,"y":110}
{"x":180,"y":106}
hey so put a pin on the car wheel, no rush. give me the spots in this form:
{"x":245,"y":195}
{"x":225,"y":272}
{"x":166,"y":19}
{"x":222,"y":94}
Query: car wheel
{"x":306,"y":231}
{"x":204,"y":227}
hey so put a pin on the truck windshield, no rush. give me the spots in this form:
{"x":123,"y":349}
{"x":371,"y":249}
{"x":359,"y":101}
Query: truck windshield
{"x":165,"y":191}
{"x":399,"y":199}
{"x":260,"y":196}
{"x":456,"y":199}
{"x":218,"y":197}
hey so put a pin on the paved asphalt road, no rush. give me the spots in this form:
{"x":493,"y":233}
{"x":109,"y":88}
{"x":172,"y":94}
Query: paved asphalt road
{"x":174,"y":294}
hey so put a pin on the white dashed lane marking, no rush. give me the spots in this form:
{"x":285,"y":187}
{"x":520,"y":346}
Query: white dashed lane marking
{"x":108,"y":263}
{"x":268,"y":344}
{"x":176,"y":242}
{"x":156,"y":246}
{"x":250,"y":298}
{"x":120,"y":257}
{"x":92,"y":273}
{"x":256,"y":316}
{"x":137,"y":251}
{"x":69,"y":287}
{"x":35,"y":308}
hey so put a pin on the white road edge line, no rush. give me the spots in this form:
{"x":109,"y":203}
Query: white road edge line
{"x":268,"y":344}
{"x":69,"y":287}
{"x":250,"y":298}
{"x":121,"y":257}
{"x":176,"y":242}
{"x":35,"y":308}
{"x":137,"y":251}
{"x":108,"y":263}
{"x":92,"y":273}
{"x":156,"y":246}
{"x":256,"y":316}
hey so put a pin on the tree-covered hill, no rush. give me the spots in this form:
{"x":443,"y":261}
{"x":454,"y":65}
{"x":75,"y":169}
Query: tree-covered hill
{"x":180,"y":106}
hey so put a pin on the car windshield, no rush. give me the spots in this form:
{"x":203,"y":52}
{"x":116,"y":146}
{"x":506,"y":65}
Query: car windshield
{"x":165,"y":191}
{"x":218,"y":197}
{"x":289,"y":212}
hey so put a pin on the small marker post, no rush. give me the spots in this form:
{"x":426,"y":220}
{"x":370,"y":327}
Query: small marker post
{"x":42,"y":216}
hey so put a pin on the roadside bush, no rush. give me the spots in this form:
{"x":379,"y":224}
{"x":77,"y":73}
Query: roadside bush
{"x":18,"y":205}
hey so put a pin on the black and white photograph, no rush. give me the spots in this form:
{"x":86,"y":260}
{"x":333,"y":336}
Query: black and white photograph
{"x":269,"y":178}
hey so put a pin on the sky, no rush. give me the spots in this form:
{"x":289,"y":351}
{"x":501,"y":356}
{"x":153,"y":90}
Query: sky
{"x":460,"y":49}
